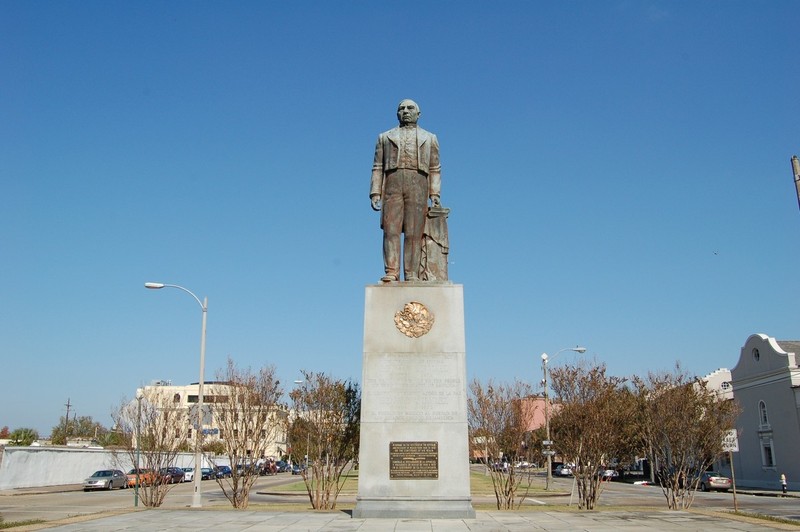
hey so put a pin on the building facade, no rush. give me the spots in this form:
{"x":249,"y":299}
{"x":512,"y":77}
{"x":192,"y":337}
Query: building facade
{"x":216,"y":406}
{"x":766,"y":384}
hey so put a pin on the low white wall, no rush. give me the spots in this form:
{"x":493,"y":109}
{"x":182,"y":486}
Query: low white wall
{"x":32,"y":467}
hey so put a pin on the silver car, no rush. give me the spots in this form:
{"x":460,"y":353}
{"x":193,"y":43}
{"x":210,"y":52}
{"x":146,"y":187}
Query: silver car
{"x":106,"y":479}
{"x":714,"y":481}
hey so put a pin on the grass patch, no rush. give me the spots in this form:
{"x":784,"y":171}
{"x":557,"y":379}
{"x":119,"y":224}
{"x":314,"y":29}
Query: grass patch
{"x":12,"y":524}
{"x":350,"y":484}
{"x":764,"y":517}
{"x":480,"y":484}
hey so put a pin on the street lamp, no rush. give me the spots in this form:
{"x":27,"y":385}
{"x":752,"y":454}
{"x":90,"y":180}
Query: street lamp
{"x":139,"y":396}
{"x":308,"y":432}
{"x":796,"y":172}
{"x":547,"y":443}
{"x":198,"y":450}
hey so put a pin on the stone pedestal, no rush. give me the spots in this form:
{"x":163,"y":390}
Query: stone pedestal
{"x":414,"y":457}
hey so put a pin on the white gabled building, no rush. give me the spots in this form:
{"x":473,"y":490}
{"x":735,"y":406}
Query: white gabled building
{"x":766,"y":384}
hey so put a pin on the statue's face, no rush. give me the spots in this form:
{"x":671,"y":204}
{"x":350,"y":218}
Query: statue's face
{"x":408,"y":112}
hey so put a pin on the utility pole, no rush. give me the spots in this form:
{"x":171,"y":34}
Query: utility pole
{"x":796,"y":172}
{"x":66,"y":421}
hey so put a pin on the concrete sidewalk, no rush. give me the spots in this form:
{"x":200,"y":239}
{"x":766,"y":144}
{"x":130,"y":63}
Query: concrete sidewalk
{"x":486,"y":521}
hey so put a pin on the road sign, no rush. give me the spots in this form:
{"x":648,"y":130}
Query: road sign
{"x":206,"y":415}
{"x":547,"y":442}
{"x":730,"y":442}
{"x":548,"y":452}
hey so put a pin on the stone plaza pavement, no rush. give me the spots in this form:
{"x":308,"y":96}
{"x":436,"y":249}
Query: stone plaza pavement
{"x":486,"y":521}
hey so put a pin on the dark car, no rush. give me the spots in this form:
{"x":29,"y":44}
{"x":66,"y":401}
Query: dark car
{"x":223,"y":471}
{"x":206,"y":473}
{"x":105,"y":480}
{"x":282,"y":466}
{"x":172,"y":475}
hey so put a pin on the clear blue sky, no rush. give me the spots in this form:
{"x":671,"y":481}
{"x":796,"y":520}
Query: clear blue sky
{"x":618,"y":174}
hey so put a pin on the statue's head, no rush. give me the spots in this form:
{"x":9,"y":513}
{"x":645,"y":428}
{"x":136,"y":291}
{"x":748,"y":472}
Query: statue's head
{"x":408,"y":112}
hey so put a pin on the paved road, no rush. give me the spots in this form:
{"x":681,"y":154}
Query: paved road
{"x":56,"y":504}
{"x":216,"y":521}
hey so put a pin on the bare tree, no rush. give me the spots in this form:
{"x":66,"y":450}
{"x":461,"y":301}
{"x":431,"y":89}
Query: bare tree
{"x":251,"y":418}
{"x":327,"y":414}
{"x":591,"y":426}
{"x":683,"y":425}
{"x":154,"y":430}
{"x":498,"y":422}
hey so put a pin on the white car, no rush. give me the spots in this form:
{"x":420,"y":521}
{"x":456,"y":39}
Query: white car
{"x":563,"y":471}
{"x":188,"y":474}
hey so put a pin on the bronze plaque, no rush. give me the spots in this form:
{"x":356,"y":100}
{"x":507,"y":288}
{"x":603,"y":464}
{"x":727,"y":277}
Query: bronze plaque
{"x":414,"y":460}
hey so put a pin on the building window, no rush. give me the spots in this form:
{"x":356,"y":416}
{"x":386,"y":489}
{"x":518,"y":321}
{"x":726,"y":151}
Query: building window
{"x":177,"y":434}
{"x":176,"y":398}
{"x":190,"y":434}
{"x":221,"y":437}
{"x":756,"y":355}
{"x":763,"y":419}
{"x":767,"y":457}
{"x":725,"y":386}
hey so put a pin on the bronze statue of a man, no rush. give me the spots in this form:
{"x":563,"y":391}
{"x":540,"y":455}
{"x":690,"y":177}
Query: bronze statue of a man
{"x":405,"y":173}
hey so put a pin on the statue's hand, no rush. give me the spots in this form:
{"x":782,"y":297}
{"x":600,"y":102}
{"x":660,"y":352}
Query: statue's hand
{"x":376,"y":202}
{"x":435,"y":202}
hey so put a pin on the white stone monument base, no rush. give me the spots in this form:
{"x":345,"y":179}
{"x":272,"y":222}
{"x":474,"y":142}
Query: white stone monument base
{"x":414,"y":453}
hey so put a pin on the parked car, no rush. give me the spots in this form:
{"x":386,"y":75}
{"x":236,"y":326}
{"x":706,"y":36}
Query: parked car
{"x":563,"y":471}
{"x":146,"y":477}
{"x":172,"y":475}
{"x":714,"y":481}
{"x":607,"y":474}
{"x":251,"y":468}
{"x":223,"y":471}
{"x":106,"y":479}
{"x":188,"y":474}
{"x":282,"y":466}
{"x":297,"y":469}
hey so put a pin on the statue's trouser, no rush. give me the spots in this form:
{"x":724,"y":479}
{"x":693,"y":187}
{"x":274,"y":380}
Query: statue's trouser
{"x":405,"y":200}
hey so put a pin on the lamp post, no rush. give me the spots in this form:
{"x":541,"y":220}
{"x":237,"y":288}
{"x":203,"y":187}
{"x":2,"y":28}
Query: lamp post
{"x":139,"y":395}
{"x":308,"y":435}
{"x":796,"y":172}
{"x":547,"y":443}
{"x":198,"y":451}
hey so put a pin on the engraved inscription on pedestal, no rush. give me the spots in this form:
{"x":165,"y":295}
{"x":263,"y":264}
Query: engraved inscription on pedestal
{"x":430,"y":389}
{"x":413,"y":460}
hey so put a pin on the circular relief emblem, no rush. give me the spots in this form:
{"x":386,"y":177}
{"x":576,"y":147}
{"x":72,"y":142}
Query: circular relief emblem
{"x":414,"y":320}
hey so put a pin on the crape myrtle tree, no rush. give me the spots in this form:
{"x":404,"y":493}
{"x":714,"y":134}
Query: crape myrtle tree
{"x":252,"y":418}
{"x":161,"y":427}
{"x":498,"y":422}
{"x":594,"y":424}
{"x":682,"y":424}
{"x":325,"y":424}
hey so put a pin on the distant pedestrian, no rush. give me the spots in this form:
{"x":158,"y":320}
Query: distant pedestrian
{"x":783,"y":483}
